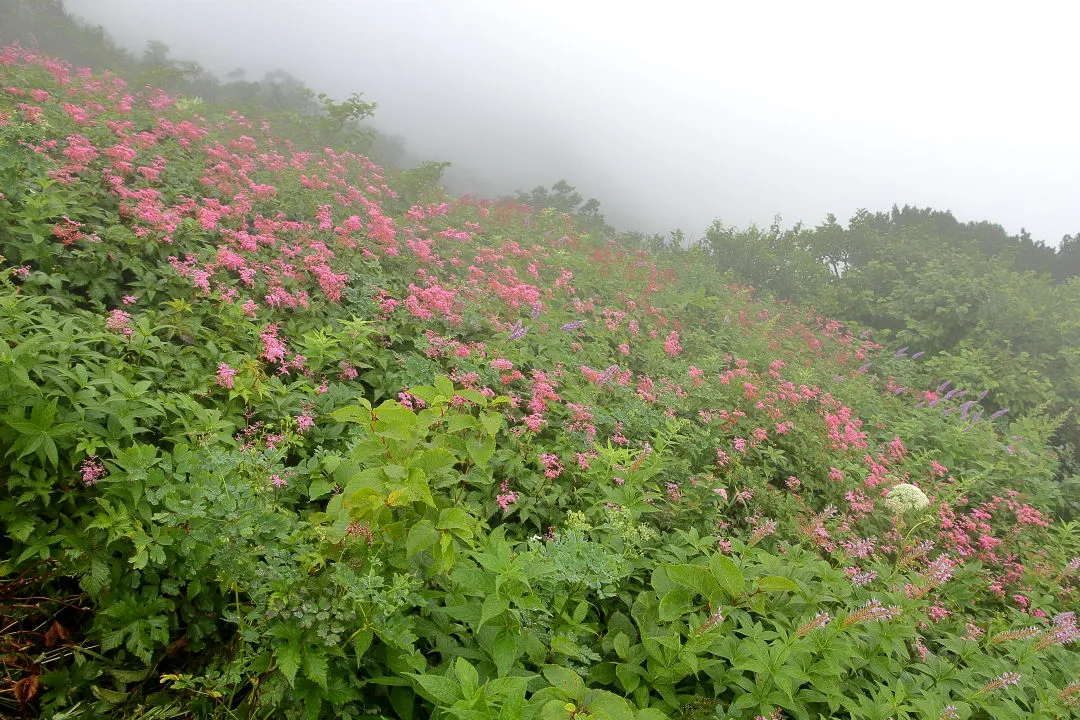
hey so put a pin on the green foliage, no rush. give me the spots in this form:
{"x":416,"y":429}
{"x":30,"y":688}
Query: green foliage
{"x":280,"y":440}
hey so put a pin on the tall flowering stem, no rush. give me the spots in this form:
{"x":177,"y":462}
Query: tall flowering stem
{"x":820,"y":620}
{"x":872,"y":610}
{"x":1009,"y":678}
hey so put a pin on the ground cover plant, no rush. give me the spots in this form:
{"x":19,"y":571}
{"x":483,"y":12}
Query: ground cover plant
{"x":284,"y":436}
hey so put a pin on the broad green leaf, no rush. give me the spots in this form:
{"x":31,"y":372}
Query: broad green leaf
{"x":674,"y":604}
{"x":492,"y":422}
{"x":777,"y":583}
{"x":728,"y":575}
{"x":444,"y":386}
{"x":565,"y":679}
{"x":318,"y":487}
{"x":351,"y":413}
{"x":622,"y":645}
{"x":696,"y":577}
{"x":442,"y":690}
{"x":504,"y":652}
{"x":494,"y":606}
{"x":422,"y":536}
{"x":480,"y":449}
{"x":468,"y":679}
{"x":361,"y":640}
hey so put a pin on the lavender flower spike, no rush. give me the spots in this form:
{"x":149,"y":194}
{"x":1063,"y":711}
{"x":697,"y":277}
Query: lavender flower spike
{"x":518,"y":331}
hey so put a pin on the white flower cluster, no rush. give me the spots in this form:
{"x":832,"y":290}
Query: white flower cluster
{"x":905,"y":497}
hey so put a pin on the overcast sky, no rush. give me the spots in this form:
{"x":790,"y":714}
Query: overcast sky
{"x":675,"y":113}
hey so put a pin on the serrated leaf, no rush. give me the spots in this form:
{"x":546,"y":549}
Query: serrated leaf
{"x":19,"y":528}
{"x":504,"y":652}
{"x":97,"y":579}
{"x":435,"y":462}
{"x":403,"y":700}
{"x":629,"y":676}
{"x":288,"y":660}
{"x":455,"y":519}
{"x":459,"y":422}
{"x":468,"y":678}
{"x":361,"y":640}
{"x":512,"y":691}
{"x":315,"y":667}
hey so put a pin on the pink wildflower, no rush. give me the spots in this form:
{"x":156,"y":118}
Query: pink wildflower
{"x":119,"y":321}
{"x":506,"y":496}
{"x":92,"y":470}
{"x":671,"y":344}
{"x":225,"y":375}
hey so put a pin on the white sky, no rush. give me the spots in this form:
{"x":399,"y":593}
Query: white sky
{"x":675,"y":113}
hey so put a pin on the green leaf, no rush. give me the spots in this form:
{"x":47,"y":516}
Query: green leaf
{"x":674,"y":604}
{"x":468,"y":679}
{"x":494,"y":606}
{"x":403,"y":700}
{"x":444,"y":386}
{"x":319,"y":487}
{"x":288,"y":660}
{"x":696,"y":577}
{"x":442,"y":690}
{"x":351,"y":413}
{"x":455,"y":519}
{"x":395,"y":422}
{"x":418,"y":486}
{"x":362,"y":641}
{"x":512,"y":691}
{"x":315,"y":666}
{"x":565,"y":679}
{"x":434,"y":462}
{"x":492,"y":422}
{"x":728,"y":575}
{"x":777,"y":583}
{"x":112,"y":697}
{"x":480,"y":449}
{"x":473,"y":396}
{"x":504,"y":653}
{"x":422,"y":536}
{"x":629,"y":676}
{"x":460,"y":421}
{"x":622,"y":645}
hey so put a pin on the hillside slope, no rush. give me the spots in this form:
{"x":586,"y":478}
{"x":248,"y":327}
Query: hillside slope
{"x":284,"y":436}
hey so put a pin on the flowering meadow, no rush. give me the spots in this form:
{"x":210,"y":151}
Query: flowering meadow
{"x":285,"y":435}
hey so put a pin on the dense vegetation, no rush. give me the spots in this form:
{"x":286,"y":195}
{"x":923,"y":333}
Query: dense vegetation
{"x":284,"y":434}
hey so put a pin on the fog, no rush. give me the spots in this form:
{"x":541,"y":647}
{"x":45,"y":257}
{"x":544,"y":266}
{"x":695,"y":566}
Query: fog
{"x":676,"y":113}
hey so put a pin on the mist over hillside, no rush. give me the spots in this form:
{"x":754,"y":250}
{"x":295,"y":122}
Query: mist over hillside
{"x":673,"y":117}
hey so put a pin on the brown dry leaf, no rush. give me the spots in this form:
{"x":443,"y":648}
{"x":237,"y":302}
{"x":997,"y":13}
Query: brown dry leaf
{"x":26,"y":689}
{"x":56,"y":634}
